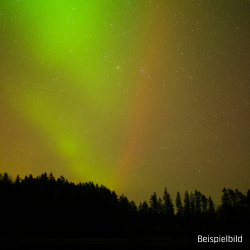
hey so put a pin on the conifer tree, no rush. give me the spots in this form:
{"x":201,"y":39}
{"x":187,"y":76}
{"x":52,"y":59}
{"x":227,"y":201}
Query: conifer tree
{"x":168,"y":203}
{"x":145,"y":207}
{"x":154,"y":204}
{"x":225,"y":198}
{"x":187,"y":211}
{"x":18,"y":180}
{"x":192,"y":204}
{"x":178,"y":204}
{"x":204,"y":203}
{"x":160,"y":206}
{"x":211,"y":216}
{"x":197,"y":200}
{"x":211,"y":209}
{"x":232,"y":197}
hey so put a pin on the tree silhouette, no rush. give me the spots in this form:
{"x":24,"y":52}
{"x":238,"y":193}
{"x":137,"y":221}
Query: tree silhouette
{"x":180,"y":214}
{"x":192,"y":204}
{"x":46,"y":207}
{"x":197,"y":201}
{"x":154,"y":204}
{"x":187,"y":211}
{"x":168,"y":203}
{"x":179,"y":205}
{"x":204,"y":203}
{"x":211,"y":217}
{"x":169,"y":212}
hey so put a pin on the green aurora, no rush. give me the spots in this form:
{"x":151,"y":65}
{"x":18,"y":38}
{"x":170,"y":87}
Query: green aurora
{"x":134,"y":95}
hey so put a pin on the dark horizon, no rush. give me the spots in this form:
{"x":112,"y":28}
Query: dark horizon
{"x":13,"y":179}
{"x":46,"y":207}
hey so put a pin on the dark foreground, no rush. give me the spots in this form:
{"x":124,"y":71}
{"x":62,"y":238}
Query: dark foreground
{"x":117,"y":243}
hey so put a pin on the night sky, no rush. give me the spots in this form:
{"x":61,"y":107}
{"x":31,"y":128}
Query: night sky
{"x":134,"y":95}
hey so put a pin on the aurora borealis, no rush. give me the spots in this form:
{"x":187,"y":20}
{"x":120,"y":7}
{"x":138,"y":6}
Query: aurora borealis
{"x":134,"y":95}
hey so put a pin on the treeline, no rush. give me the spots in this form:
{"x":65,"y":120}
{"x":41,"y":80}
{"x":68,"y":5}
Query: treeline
{"x":46,"y":207}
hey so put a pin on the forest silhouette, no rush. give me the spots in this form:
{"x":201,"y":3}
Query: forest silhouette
{"x":49,"y":207}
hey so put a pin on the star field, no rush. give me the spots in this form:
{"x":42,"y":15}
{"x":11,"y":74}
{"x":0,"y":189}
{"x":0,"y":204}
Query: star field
{"x":134,"y":95}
